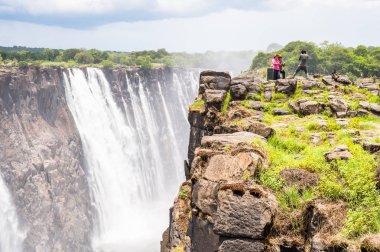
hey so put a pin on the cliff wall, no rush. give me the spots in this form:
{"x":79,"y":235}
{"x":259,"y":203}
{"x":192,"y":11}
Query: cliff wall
{"x":273,"y":166}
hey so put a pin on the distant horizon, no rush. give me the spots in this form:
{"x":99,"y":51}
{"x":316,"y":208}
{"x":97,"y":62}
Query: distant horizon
{"x":194,"y":52}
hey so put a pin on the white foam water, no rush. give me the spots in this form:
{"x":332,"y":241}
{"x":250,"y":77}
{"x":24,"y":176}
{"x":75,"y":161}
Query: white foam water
{"x":134,"y":140}
{"x":11,"y":234}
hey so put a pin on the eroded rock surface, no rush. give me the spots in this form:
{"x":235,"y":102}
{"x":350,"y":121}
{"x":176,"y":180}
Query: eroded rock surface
{"x":41,"y":160}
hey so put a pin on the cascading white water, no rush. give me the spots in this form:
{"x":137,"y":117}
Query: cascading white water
{"x":134,"y":150}
{"x":11,"y":235}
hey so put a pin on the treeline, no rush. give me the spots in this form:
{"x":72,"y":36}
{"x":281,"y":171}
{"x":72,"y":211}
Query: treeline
{"x":74,"y":57}
{"x":361,"y":61}
{"x":234,"y":61}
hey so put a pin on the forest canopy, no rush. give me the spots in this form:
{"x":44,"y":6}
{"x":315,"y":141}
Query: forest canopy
{"x":234,"y":61}
{"x":360,"y":61}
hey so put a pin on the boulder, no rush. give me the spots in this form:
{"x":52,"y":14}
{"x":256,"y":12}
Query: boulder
{"x":241,"y":245}
{"x":260,"y":129}
{"x":328,"y":80}
{"x":310,"y":107}
{"x":339,"y":105}
{"x":319,"y":244}
{"x":310,"y":84}
{"x":324,"y":217}
{"x":280,"y":112}
{"x":215,"y":98}
{"x":371,"y":244}
{"x":286,"y":86}
{"x":293,"y":106}
{"x":245,"y":215}
{"x":371,"y":147}
{"x":239,"y":113}
{"x":214,"y":80}
{"x":374,"y":108}
{"x":362,"y":112}
{"x":225,"y":167}
{"x":238,"y":92}
{"x":364,"y":104}
{"x":268,"y":91}
{"x":256,"y":105}
{"x":343,"y":79}
{"x":341,"y":114}
{"x":341,"y":152}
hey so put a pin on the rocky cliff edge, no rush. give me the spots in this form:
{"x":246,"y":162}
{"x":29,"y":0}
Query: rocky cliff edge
{"x":288,"y":165}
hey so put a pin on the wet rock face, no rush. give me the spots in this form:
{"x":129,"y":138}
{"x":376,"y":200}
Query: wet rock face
{"x":41,"y":160}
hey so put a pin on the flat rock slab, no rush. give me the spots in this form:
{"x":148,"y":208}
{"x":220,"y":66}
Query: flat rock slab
{"x":230,"y":139}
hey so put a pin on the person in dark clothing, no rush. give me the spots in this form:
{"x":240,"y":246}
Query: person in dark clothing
{"x":303,"y":59}
{"x":282,"y":65}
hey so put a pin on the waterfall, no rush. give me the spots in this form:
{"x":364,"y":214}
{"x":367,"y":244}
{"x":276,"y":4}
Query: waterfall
{"x":11,"y":236}
{"x":134,"y":140}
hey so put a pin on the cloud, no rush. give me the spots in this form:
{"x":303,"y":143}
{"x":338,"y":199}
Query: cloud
{"x":224,"y":30}
{"x":90,"y":13}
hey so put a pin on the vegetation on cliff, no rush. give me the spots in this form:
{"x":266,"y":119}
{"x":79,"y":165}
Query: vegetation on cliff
{"x":361,"y":61}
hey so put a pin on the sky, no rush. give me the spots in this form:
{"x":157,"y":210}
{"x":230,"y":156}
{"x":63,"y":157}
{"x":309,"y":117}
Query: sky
{"x":186,"y":25}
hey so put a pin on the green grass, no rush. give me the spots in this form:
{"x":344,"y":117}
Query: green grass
{"x":351,"y":181}
{"x":226,"y":102}
{"x":278,"y":96}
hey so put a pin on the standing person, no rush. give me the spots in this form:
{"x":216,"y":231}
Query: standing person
{"x":282,"y":65}
{"x":303,"y":59}
{"x":276,"y":67}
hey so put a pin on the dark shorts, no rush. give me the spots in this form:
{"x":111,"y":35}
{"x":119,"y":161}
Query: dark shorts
{"x":302,"y":68}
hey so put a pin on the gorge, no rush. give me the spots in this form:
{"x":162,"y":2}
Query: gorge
{"x":91,"y":158}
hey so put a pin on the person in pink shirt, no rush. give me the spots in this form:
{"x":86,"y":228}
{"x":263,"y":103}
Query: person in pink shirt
{"x":276,"y":67}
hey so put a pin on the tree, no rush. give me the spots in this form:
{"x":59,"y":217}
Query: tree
{"x":84,"y":57}
{"x":361,"y":51}
{"x":69,"y":54}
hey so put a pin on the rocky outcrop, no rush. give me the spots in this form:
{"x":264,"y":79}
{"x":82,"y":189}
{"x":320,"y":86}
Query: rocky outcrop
{"x":235,"y":162}
{"x":41,"y":160}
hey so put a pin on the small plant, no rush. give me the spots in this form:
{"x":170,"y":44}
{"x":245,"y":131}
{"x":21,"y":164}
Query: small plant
{"x":226,"y":102}
{"x":289,"y":198}
{"x":184,"y":193}
{"x":198,"y":105}
{"x":246,"y":175}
